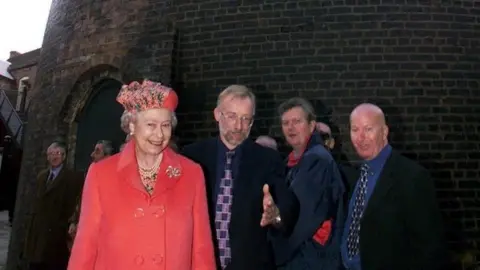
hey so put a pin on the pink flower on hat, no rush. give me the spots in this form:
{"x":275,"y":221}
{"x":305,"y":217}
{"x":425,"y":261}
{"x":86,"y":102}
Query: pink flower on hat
{"x":136,"y":97}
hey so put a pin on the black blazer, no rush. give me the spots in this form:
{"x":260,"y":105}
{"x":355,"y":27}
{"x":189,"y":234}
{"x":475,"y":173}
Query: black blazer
{"x":258,"y":166}
{"x":402,"y":226}
{"x":349,"y":175}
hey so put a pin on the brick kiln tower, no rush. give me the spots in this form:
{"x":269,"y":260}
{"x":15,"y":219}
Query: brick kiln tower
{"x":417,"y":59}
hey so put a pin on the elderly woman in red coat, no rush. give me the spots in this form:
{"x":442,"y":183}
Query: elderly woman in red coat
{"x":145,"y":208}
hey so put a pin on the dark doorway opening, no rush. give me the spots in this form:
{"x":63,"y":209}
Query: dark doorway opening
{"x":99,"y":120}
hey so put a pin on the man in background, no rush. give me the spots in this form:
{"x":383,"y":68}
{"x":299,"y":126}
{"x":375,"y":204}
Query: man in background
{"x":54,"y":202}
{"x":326,"y":133}
{"x":103,"y":149}
{"x":267,"y":141}
{"x":346,"y":170}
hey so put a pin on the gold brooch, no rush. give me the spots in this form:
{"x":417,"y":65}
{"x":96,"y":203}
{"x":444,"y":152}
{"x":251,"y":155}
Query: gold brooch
{"x":173,"y":172}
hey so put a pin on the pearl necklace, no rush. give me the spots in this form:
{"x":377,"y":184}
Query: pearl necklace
{"x":149,"y":175}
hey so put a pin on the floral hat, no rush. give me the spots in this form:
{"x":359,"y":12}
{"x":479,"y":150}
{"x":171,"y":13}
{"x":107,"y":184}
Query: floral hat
{"x":136,"y":97}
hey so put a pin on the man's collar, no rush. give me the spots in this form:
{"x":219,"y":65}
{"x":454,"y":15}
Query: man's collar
{"x":380,"y":159}
{"x":56,"y":169}
{"x":224,"y":148}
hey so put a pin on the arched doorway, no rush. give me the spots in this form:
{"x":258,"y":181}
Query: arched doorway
{"x":99,"y":120}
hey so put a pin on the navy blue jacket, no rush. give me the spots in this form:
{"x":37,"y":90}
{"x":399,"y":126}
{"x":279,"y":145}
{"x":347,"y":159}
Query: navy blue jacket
{"x":318,"y":186}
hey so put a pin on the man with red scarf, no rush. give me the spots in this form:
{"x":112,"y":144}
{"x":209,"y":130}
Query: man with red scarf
{"x":316,"y":181}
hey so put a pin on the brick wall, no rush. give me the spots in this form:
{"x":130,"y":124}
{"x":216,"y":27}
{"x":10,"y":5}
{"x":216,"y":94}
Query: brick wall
{"x":416,"y":59}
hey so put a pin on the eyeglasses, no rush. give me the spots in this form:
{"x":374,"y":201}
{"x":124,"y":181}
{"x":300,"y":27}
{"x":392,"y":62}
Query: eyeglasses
{"x":232,"y":117}
{"x":53,"y":154}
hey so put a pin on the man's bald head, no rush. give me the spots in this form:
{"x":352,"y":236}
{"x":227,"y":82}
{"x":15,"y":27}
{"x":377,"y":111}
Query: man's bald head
{"x":323,"y":128}
{"x":368,"y":130}
{"x":267,"y":141}
{"x":371,"y":110}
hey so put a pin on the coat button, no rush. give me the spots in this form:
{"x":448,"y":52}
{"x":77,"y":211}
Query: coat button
{"x":157,"y":259}
{"x":159,"y":212}
{"x":139,"y":213}
{"x":139,"y":260}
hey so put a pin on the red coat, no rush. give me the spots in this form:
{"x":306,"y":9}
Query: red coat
{"x":122,"y":227}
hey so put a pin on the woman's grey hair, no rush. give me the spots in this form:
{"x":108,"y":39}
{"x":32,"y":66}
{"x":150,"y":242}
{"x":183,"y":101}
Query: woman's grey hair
{"x":124,"y":121}
{"x":128,"y":117}
{"x":107,"y":147}
{"x":174,"y":120}
{"x":302,"y":103}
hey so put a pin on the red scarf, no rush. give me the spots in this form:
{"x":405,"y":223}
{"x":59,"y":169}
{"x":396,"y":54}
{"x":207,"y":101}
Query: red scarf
{"x":323,"y":233}
{"x":292,"y":159}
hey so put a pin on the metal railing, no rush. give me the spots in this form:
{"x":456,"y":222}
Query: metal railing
{"x":11,"y":118}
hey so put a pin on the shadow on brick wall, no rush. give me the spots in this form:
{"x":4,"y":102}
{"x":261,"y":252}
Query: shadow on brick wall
{"x":324,"y":115}
{"x":396,"y":126}
{"x":266,"y":112}
{"x":266,"y":117}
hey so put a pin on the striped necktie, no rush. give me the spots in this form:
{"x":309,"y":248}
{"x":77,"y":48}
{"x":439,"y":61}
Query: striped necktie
{"x":222,"y":213}
{"x":50,"y":178}
{"x":353,"y":238}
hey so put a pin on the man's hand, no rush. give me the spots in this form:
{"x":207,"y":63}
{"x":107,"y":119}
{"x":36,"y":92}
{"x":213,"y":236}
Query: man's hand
{"x":271,"y":214}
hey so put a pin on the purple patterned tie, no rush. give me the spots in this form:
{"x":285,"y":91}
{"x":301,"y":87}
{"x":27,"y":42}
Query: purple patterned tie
{"x":222,"y":213}
{"x":353,"y":238}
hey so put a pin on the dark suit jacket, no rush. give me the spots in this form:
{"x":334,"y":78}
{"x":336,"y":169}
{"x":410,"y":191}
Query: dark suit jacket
{"x":402,"y":226}
{"x":46,"y":240}
{"x":349,"y":176}
{"x":259,"y":165}
{"x":320,"y":190}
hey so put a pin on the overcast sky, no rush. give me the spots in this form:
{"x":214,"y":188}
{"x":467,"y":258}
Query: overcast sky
{"x":22,"y":25}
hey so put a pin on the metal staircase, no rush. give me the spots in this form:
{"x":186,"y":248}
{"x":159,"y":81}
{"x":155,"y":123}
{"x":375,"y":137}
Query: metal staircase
{"x":11,"y":119}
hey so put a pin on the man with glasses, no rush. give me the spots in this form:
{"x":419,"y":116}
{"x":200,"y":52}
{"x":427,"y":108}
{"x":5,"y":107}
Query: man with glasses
{"x":57,"y":190}
{"x":240,"y":175}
